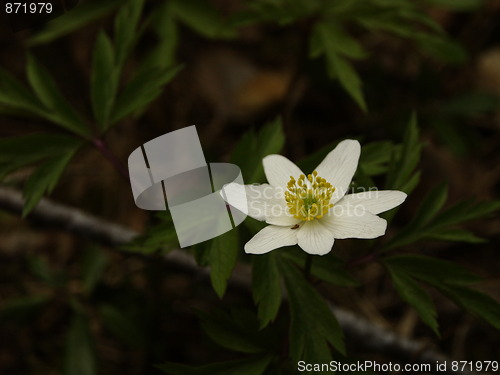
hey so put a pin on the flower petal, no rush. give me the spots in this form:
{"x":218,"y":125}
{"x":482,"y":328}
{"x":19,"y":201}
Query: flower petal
{"x":350,"y":222}
{"x":262,"y":202}
{"x":375,"y":201}
{"x":315,"y":238}
{"x":339,"y":165}
{"x":278,"y":170}
{"x":270,"y":238}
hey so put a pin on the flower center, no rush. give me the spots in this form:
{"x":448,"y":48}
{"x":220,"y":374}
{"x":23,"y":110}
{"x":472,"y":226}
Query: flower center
{"x":309,"y":200}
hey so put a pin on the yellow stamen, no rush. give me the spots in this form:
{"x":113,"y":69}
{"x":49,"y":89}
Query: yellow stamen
{"x":309,"y":201}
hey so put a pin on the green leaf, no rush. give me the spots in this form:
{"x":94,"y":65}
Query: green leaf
{"x":15,"y":95}
{"x":328,"y":268}
{"x":23,"y":308}
{"x":44,"y":180}
{"x":416,"y":296}
{"x":223,"y":255}
{"x":80,"y":356}
{"x":104,"y":79}
{"x":237,"y":331}
{"x":266,"y":287}
{"x":473,"y":301}
{"x":431,"y":205}
{"x":141,"y":91}
{"x":73,"y":20}
{"x":403,"y":165}
{"x":252,"y":148}
{"x":165,"y":28}
{"x":339,"y":67}
{"x":60,"y":110}
{"x":430,"y":269}
{"x":125,"y":29}
{"x":313,"y":324}
{"x":375,"y":157}
{"x":203,"y":18}
{"x":27,"y":149}
{"x":94,"y":263}
{"x":121,"y":326}
{"x":466,"y":211}
{"x":458,"y":235}
{"x":251,"y":366}
{"x":341,"y":42}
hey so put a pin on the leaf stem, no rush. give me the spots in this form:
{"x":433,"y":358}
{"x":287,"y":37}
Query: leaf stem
{"x":108,"y":154}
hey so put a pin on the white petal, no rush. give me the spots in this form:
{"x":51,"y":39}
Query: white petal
{"x":283,"y":220}
{"x":270,"y":238}
{"x":315,"y":238}
{"x":278,"y":170}
{"x":375,"y":201}
{"x":257,"y":201}
{"x":346,"y":222}
{"x":339,"y":165}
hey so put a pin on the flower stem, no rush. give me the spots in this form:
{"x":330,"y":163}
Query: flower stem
{"x":108,"y":154}
{"x":308,"y":266}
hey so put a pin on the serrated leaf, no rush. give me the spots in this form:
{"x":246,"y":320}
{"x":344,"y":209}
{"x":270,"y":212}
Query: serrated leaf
{"x":121,"y":326}
{"x":403,"y":165}
{"x":431,"y":269}
{"x":104,"y":79}
{"x":341,"y":42}
{"x":165,"y":28}
{"x":125,"y":29}
{"x":59,"y":109}
{"x":203,"y":18}
{"x":430,"y":206}
{"x":73,"y":20}
{"x":458,"y":235}
{"x":223,"y":255}
{"x":252,"y":148}
{"x":416,"y":296}
{"x":237,"y":330}
{"x":14,"y":94}
{"x":251,"y":366}
{"x":312,"y":324}
{"x":34,"y":147}
{"x":44,"y":180}
{"x":79,"y":357}
{"x":328,"y":268}
{"x":142,"y":90}
{"x":266,"y":287}
{"x":473,"y":301}
{"x":349,"y":79}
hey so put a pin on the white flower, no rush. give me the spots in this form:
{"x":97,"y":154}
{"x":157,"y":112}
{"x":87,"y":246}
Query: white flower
{"x":312,"y":211}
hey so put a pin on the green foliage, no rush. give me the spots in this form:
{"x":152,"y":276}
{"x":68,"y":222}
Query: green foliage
{"x":223,"y":254}
{"x":94,"y":263}
{"x":402,"y":175}
{"x":237,"y":330}
{"x":121,"y":326}
{"x":313,"y":325}
{"x":430,"y":222}
{"x":73,"y":20}
{"x":202,"y":17}
{"x":253,"y":147}
{"x":328,"y":268}
{"x":43,"y":180}
{"x":104,"y":79}
{"x":79,"y":358}
{"x":57,"y":108}
{"x":450,"y":279}
{"x":266,"y":287}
